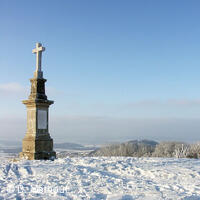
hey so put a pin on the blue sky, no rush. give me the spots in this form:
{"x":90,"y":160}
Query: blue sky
{"x":108,"y":65}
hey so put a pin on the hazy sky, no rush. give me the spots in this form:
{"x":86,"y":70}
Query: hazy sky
{"x":117,"y":70}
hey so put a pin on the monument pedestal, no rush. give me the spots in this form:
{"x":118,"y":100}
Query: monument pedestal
{"x":34,"y":149}
{"x":37,"y":143}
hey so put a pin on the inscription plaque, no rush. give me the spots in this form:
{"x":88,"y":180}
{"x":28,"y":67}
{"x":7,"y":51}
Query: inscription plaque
{"x":42,"y":119}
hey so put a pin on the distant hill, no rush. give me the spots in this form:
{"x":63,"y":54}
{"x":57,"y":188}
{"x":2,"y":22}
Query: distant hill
{"x":10,"y":150}
{"x":68,"y":145}
{"x":146,"y":142}
{"x":9,"y":143}
{"x":15,"y":147}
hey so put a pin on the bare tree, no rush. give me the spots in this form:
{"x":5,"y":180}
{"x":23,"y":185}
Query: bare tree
{"x":181,"y":151}
{"x":171,"y":149}
{"x":194,"y":150}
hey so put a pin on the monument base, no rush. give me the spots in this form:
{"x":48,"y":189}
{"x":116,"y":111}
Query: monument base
{"x":38,"y":155}
{"x":37,"y":149}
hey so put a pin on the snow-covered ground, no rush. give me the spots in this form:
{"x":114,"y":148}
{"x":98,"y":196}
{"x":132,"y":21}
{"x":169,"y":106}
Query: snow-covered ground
{"x":101,"y":178}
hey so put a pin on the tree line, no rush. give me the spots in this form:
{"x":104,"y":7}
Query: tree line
{"x":148,"y":148}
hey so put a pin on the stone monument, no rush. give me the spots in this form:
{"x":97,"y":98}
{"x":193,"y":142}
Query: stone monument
{"x":37,"y":143}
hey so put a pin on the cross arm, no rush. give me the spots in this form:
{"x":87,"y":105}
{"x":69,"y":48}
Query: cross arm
{"x":38,"y":49}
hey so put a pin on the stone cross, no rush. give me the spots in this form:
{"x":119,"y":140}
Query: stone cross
{"x":38,"y":51}
{"x":37,"y":143}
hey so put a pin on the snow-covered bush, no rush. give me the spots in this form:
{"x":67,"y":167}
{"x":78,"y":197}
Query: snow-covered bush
{"x":132,"y":148}
{"x":147,"y":148}
{"x":171,"y":149}
{"x":194,"y":150}
{"x":182,"y":151}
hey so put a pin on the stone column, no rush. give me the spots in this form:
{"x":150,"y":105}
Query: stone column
{"x":37,"y":143}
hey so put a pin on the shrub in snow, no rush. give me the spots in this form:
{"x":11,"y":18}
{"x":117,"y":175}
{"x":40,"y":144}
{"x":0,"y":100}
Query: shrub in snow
{"x":171,"y":149}
{"x":182,"y":151}
{"x":132,"y":148}
{"x":194,"y":150}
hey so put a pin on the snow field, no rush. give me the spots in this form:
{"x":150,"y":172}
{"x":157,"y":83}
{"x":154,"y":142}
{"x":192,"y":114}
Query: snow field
{"x":98,"y":178}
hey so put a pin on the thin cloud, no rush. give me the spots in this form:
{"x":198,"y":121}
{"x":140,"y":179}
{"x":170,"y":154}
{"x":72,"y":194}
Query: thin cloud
{"x":14,"y":88}
{"x":8,"y":88}
{"x":184,"y":102}
{"x":168,"y":102}
{"x":100,"y":129}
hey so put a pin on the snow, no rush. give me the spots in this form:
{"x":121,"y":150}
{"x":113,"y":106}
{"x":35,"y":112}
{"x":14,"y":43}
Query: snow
{"x":107,"y":178}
